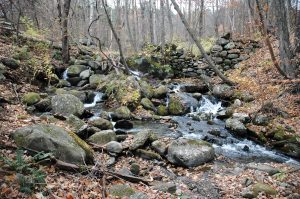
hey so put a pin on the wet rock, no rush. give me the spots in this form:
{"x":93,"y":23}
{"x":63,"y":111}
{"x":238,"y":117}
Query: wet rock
{"x":11,"y":63}
{"x":85,"y":74}
{"x":181,"y":103}
{"x":242,"y":117}
{"x":114,"y":147}
{"x":162,"y":110}
{"x":165,"y":187}
{"x":229,"y":46}
{"x":236,"y":126}
{"x":101,"y":123}
{"x":197,"y":96}
{"x":159,"y":146}
{"x":190,"y":153}
{"x":103,"y":137}
{"x":50,"y":138}
{"x":43,"y":105}
{"x":74,"y":80}
{"x":75,"y":70}
{"x":223,"y":91}
{"x":260,"y":187}
{"x":160,"y":92}
{"x":66,"y":105}
{"x":123,"y":124}
{"x":122,"y":112}
{"x":135,"y":169}
{"x":215,"y":132}
{"x":31,"y":98}
{"x":121,"y":138}
{"x":75,"y":122}
{"x":147,"y":104}
{"x":263,"y":167}
{"x":217,"y":48}
{"x":140,"y":139}
{"x":121,"y":190}
{"x":194,"y":88}
{"x":222,"y":41}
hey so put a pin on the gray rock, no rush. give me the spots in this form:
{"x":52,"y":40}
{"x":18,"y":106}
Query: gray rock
{"x":147,"y":104}
{"x":138,"y":195}
{"x":81,"y":62}
{"x":123,"y":112}
{"x":261,"y":120}
{"x":165,"y":187}
{"x":140,"y":139}
{"x":66,"y":104}
{"x":260,"y":187}
{"x":75,"y":70}
{"x":96,"y":79}
{"x":229,"y":46}
{"x":217,"y":48}
{"x":181,"y":103}
{"x":103,"y":137}
{"x":160,"y":92}
{"x":242,"y":117}
{"x":63,"y":83}
{"x":114,"y":147}
{"x":263,"y":167}
{"x":232,"y":56}
{"x":222,"y":41}
{"x":190,"y":153}
{"x":159,"y":146}
{"x":50,"y":138}
{"x":11,"y":63}
{"x":223,"y":54}
{"x":148,"y":155}
{"x":101,"y":123}
{"x":94,"y":64}
{"x":85,"y":74}
{"x":223,"y":91}
{"x":121,"y":191}
{"x":236,"y":126}
{"x":43,"y":105}
{"x":75,"y":122}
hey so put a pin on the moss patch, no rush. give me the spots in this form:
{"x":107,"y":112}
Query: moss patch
{"x":31,"y":98}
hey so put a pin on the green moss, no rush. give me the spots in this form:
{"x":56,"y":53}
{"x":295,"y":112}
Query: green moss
{"x":198,"y":143}
{"x":121,"y":191}
{"x":260,"y":187}
{"x":279,"y":134}
{"x":22,"y":54}
{"x":162,"y":110}
{"x":262,"y":137}
{"x":87,"y":148}
{"x":149,"y":155}
{"x":176,"y":108}
{"x":31,"y":98}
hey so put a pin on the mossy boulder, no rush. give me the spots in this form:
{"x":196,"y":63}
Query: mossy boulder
{"x":54,"y":139}
{"x":148,"y":155}
{"x":43,"y":105}
{"x":63,"y":83}
{"x":87,"y":148}
{"x":190,"y":153}
{"x":175,"y":107}
{"x":160,"y":92}
{"x":31,"y":98}
{"x":140,"y":139}
{"x":103,"y":137}
{"x":159,"y":146}
{"x":261,"y":187}
{"x":11,"y":63}
{"x":75,"y":122}
{"x":121,"y":191}
{"x":223,"y":91}
{"x":101,"y":123}
{"x":181,"y":103}
{"x":147,"y":104}
{"x":123,"y":112}
{"x":162,"y":110}
{"x":135,"y":169}
{"x":66,"y":104}
{"x":96,"y":79}
{"x":75,"y":70}
{"x":146,"y":89}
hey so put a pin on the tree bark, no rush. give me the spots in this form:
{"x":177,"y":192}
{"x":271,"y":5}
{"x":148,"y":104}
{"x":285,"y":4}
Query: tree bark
{"x":207,"y":58}
{"x":170,"y":20}
{"x":133,"y":44}
{"x":151,"y":22}
{"x":163,"y":33}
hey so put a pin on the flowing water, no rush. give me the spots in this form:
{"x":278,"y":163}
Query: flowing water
{"x":97,"y":98}
{"x":65,"y":75}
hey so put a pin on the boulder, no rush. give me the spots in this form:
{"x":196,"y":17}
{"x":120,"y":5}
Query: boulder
{"x":236,"y":126}
{"x":114,"y":147}
{"x":123,"y":112}
{"x":194,"y":88}
{"x":123,"y":124}
{"x":44,"y":105}
{"x":148,"y":155}
{"x":66,"y":104}
{"x":242,"y":117}
{"x":101,"y":123}
{"x":94,"y":64}
{"x":162,"y":110}
{"x":63,"y":83}
{"x":31,"y":98}
{"x":263,"y":167}
{"x":159,"y":146}
{"x":103,"y":137}
{"x":121,"y":191}
{"x":261,"y":187}
{"x":165,"y":187}
{"x":229,"y":46}
{"x":11,"y":63}
{"x":222,"y":41}
{"x":181,"y":103}
{"x":85,"y":74}
{"x":190,"y":153}
{"x":147,"y":104}
{"x":96,"y":79}
{"x":261,"y":120}
{"x":223,"y":91}
{"x":75,"y":70}
{"x":146,"y":89}
{"x":160,"y":92}
{"x":75,"y":122}
{"x":54,"y":139}
{"x":140,"y":139}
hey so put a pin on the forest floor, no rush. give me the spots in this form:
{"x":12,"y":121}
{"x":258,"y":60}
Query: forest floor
{"x":221,"y":179}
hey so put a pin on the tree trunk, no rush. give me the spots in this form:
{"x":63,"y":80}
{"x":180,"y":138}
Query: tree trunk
{"x":90,"y":19}
{"x":151,"y":22}
{"x":201,"y":18}
{"x":170,"y":20}
{"x":208,"y":59}
{"x":163,"y":33}
{"x":133,"y":44}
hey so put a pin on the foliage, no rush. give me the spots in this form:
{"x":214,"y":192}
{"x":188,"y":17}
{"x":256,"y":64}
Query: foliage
{"x":30,"y":29}
{"x":22,"y":53}
{"x":29,"y":178}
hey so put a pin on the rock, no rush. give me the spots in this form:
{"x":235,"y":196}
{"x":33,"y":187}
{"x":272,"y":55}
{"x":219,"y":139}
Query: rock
{"x":66,"y":104}
{"x":261,"y":187}
{"x":75,"y":70}
{"x":242,"y":117}
{"x":223,"y":91}
{"x":138,"y":195}
{"x":121,"y":190}
{"x":123,"y":113}
{"x":261,"y":120}
{"x":190,"y":153}
{"x":247,"y":194}
{"x":194,"y":88}
{"x":44,"y":105}
{"x":217,"y":48}
{"x":123,"y":124}
{"x":85,"y":74}
{"x":146,"y":89}
{"x":50,"y":138}
{"x":237,"y":103}
{"x":159,"y":147}
{"x":234,"y":51}
{"x":236,"y":126}
{"x":96,"y":80}
{"x":74,"y":80}
{"x":263,"y":167}
{"x":135,"y":169}
{"x":101,"y":123}
{"x":229,"y":46}
{"x":197,"y":96}
{"x":31,"y":98}
{"x":160,"y":92}
{"x":223,"y":54}
{"x":226,"y":35}
{"x":148,"y":155}
{"x":222,"y":41}
{"x":63,"y":83}
{"x":215,"y":132}
{"x":75,"y":122}
{"x":121,"y":138}
{"x":181,"y":103}
{"x":103,"y":137}
{"x":162,"y":110}
{"x":147,"y":104}
{"x":80,"y":94}
{"x":232,"y":56}
{"x":81,"y":62}
{"x":218,"y":60}
{"x":140,"y":139}
{"x":11,"y":63}
{"x":94,"y":64}
{"x":114,"y":147}
{"x":165,"y":187}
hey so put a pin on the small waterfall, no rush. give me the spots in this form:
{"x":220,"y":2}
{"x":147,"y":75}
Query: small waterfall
{"x":176,"y":88}
{"x":97,"y":98}
{"x":65,"y":75}
{"x":136,"y":74}
{"x":208,"y":107}
{"x":112,"y":122}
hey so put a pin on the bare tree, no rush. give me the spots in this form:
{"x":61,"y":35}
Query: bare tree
{"x":207,"y":58}
{"x":170,"y":20}
{"x":163,"y":33}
